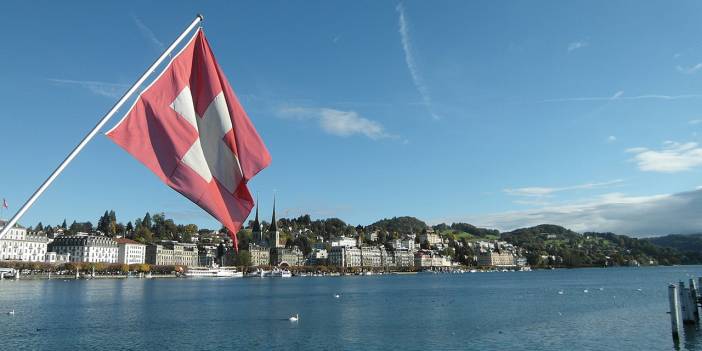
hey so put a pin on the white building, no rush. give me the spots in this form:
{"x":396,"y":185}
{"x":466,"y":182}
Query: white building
{"x":52,"y":257}
{"x":86,"y":248}
{"x":130,"y":251}
{"x":344,"y":241}
{"x":345,"y":256}
{"x":19,"y":246}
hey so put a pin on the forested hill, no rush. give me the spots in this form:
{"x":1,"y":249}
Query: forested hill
{"x":404,"y":224}
{"x":684,"y":243}
{"x":554,"y":245}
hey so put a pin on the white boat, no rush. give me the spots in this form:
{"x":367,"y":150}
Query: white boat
{"x":213,"y":272}
{"x":280,"y":273}
{"x":259,"y":273}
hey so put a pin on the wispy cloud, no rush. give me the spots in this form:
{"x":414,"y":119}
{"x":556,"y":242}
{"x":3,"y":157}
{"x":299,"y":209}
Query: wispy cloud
{"x":673,"y":157}
{"x":695,"y":121}
{"x":689,"y":70}
{"x":619,"y":96}
{"x":410,"y":61}
{"x":633,"y":215}
{"x":148,"y":34}
{"x":111,"y":90}
{"x":611,"y":139}
{"x":576,"y":45}
{"x":338,"y":122}
{"x":546,"y":191}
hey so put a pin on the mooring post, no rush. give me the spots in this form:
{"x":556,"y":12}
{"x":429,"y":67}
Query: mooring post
{"x":17,"y":274}
{"x":674,"y":310}
{"x":683,"y":302}
{"x":693,"y":299}
{"x":2,"y":276}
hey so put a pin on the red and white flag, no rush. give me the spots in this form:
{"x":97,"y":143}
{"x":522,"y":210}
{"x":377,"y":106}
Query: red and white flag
{"x":4,"y":203}
{"x":189,"y":128}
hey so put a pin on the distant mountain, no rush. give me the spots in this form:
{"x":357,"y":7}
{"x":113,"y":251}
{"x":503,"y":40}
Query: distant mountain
{"x":680,"y":242}
{"x":404,"y":224}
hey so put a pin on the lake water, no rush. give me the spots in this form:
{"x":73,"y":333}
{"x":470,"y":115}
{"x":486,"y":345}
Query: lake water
{"x":479,"y":311}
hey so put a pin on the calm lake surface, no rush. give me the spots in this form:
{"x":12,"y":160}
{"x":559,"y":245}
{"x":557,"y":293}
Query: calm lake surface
{"x":479,"y":311}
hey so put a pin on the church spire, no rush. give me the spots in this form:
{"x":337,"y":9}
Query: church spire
{"x":273,"y":229}
{"x":256,"y":229}
{"x":274,"y":224}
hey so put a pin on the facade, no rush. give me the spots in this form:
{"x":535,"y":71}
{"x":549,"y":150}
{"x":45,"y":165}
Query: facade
{"x":206,"y":255}
{"x":83,"y":247}
{"x":430,"y":237}
{"x":52,"y":257}
{"x":260,"y":255}
{"x":19,"y":246}
{"x":371,"y":256}
{"x":344,"y":241}
{"x":291,"y":256}
{"x":345,"y":256}
{"x":318,"y":257}
{"x":371,"y":235}
{"x":172,"y":253}
{"x":401,"y":258}
{"x":130,"y":251}
{"x":496,"y":258}
{"x":430,"y":259}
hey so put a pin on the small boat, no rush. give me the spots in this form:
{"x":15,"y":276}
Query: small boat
{"x":280,"y":273}
{"x":213,"y":272}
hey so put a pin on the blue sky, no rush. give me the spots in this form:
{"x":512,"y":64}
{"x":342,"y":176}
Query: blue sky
{"x":503,"y":114}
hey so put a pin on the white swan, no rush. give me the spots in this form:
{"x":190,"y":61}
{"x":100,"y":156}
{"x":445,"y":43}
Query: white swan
{"x":294,"y":318}
{"x":336,"y":296}
{"x":12,"y":313}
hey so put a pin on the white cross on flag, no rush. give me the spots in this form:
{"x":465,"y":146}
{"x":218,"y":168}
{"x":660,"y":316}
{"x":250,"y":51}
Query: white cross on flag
{"x":189,"y":128}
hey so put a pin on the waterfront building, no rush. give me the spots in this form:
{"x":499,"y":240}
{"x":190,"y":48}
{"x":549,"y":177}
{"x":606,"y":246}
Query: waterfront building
{"x":496,"y":258}
{"x":18,"y":245}
{"x":260,"y":255}
{"x":292,"y":256}
{"x":344,"y":241}
{"x":83,"y":247}
{"x":130,"y":251}
{"x":172,"y":253}
{"x":318,"y":257}
{"x":371,"y":256}
{"x":429,"y":259}
{"x":345,"y":256}
{"x":206,"y":254}
{"x":401,"y":258}
{"x":52,"y":257}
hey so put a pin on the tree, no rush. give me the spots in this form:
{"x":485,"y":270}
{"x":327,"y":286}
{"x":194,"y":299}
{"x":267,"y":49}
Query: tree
{"x":63,"y":225}
{"x":39,"y":227}
{"x":130,"y":227}
{"x":104,"y":223}
{"x":243,"y":258}
{"x":147,"y":220}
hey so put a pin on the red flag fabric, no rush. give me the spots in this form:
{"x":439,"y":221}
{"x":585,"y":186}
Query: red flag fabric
{"x":189,"y":128}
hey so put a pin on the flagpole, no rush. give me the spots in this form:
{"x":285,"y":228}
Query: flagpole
{"x":97,"y":127}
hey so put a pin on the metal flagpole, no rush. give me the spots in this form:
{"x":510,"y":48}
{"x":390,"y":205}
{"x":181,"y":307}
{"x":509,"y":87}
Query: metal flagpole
{"x":97,"y":127}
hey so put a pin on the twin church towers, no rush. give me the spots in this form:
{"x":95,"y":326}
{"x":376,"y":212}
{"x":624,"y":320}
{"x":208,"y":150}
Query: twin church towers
{"x":271,"y":238}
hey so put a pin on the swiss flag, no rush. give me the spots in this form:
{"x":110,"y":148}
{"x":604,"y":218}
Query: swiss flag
{"x":189,"y":128}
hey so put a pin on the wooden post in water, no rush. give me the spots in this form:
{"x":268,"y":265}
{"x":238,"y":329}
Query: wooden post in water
{"x":693,"y":300}
{"x":674,"y":311}
{"x":688,"y":316}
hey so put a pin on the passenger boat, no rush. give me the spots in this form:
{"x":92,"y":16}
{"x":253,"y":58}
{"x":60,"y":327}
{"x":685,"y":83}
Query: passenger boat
{"x":213,"y":272}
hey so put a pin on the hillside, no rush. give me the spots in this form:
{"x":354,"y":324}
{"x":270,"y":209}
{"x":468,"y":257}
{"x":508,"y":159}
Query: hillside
{"x":552,"y":245}
{"x":401,"y":225}
{"x":683,"y":243}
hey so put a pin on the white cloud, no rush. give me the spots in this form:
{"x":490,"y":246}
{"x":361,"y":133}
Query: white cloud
{"x":611,"y":139}
{"x":149,"y":34}
{"x":632,"y":215}
{"x":689,"y":70}
{"x":338,"y":122}
{"x":577,"y":45}
{"x":619,"y":96}
{"x":695,"y":121}
{"x":111,"y":90}
{"x":546,"y":191}
{"x":411,"y":64}
{"x":673,"y":157}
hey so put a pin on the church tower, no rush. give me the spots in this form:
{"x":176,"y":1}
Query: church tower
{"x":273,"y":231}
{"x":256,"y":229}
